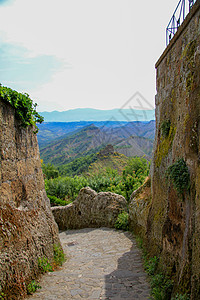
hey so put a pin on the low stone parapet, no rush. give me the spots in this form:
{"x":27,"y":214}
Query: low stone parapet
{"x":90,"y":210}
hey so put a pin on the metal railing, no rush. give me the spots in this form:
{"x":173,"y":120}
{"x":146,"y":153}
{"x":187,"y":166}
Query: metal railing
{"x":178,"y":17}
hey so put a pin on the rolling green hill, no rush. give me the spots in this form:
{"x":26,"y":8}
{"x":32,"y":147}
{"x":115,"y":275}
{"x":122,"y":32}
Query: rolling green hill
{"x":50,"y":131}
{"x":90,"y":139}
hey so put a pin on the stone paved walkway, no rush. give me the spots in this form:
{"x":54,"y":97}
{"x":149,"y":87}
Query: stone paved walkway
{"x":102,"y":264}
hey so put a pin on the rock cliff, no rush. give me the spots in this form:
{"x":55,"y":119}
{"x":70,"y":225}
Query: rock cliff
{"x":90,"y":210}
{"x":171,"y":215}
{"x":27,"y":227}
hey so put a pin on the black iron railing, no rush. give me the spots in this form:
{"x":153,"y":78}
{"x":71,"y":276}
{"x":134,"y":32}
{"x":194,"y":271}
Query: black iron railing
{"x":178,"y":17}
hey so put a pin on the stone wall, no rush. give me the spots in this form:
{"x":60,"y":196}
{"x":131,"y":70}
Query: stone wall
{"x":90,"y":210}
{"x":140,"y":203}
{"x":27,"y":227}
{"x":173,"y":227}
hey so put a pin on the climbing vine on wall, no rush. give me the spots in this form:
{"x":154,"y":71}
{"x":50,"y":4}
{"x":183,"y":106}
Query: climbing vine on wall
{"x":165,"y":128}
{"x":25,"y":109}
{"x":179,"y":174}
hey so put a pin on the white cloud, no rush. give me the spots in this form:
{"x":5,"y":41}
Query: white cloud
{"x":108,"y":47}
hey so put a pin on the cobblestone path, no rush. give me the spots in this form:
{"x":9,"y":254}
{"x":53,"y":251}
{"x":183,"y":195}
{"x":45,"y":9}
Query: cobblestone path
{"x":102,"y":264}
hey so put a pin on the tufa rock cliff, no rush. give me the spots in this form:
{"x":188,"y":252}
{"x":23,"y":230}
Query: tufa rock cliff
{"x":27,"y":227}
{"x":90,"y":210}
{"x":170,"y":217}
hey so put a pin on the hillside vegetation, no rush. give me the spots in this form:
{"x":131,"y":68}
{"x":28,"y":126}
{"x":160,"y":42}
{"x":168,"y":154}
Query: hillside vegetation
{"x":110,"y":171}
{"x":51,"y":131}
{"x":91,"y":139}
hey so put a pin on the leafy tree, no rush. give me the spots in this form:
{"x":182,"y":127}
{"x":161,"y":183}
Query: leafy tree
{"x":50,"y":171}
{"x":67,"y":188}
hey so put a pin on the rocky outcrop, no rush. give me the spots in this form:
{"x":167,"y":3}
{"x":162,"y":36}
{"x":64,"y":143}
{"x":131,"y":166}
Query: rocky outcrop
{"x":105,"y":152}
{"x":173,"y":227}
{"x":90,"y":210}
{"x":27,"y":227}
{"x":140,"y":203}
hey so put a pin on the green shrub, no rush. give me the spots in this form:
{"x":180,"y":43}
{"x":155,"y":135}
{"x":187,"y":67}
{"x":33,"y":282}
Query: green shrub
{"x":161,"y":287}
{"x":165,"y":127}
{"x":179,"y":174}
{"x":151,"y":265}
{"x":25,"y":110}
{"x":50,"y":171}
{"x":57,"y":202}
{"x":2,"y":296}
{"x":33,"y":287}
{"x":44,"y":265}
{"x":122,"y":221}
{"x":181,"y":297}
{"x":161,"y":284}
{"x":65,"y":187}
{"x":59,"y":256}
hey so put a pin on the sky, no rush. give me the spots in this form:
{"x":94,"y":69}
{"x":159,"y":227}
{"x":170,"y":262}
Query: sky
{"x":69,"y":54}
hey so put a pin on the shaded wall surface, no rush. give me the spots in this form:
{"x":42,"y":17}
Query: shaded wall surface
{"x":27,"y":227}
{"x":173,"y":227}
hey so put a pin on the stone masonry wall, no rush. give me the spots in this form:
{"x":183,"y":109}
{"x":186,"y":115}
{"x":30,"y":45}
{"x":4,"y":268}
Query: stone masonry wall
{"x":173,"y":227}
{"x":27,"y":226}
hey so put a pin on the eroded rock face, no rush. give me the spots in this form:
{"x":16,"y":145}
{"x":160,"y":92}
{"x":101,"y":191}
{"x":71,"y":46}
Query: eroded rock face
{"x":174,"y":220}
{"x":27,"y":227}
{"x":140,"y":203}
{"x":90,"y":210}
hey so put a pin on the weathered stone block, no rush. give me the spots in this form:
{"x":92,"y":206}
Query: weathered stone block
{"x":90,"y":210}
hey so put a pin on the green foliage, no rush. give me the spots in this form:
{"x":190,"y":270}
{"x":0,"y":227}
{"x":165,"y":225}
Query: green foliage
{"x":33,"y":287}
{"x":122,"y":221}
{"x":151,"y":265}
{"x":78,"y":166}
{"x":161,"y":287}
{"x":165,"y":145}
{"x":138,"y":166}
{"x":161,"y":284}
{"x":44,"y":265}
{"x":179,"y":174}
{"x":25,"y":110}
{"x":50,"y":171}
{"x":181,"y":297}
{"x":67,"y":188}
{"x":57,"y":202}
{"x":165,"y":127}
{"x":59,"y":256}
{"x":2,"y":296}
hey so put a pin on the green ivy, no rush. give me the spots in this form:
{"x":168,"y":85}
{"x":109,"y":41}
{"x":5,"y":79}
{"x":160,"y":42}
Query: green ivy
{"x":165,"y":128}
{"x":25,"y":109}
{"x":179,"y":174}
{"x":122,"y":221}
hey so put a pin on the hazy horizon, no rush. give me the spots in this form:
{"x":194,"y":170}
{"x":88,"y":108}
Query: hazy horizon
{"x":71,"y":54}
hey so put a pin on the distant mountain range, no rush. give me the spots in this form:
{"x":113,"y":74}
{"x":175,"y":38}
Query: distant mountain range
{"x":90,"y":114}
{"x":61,"y":143}
{"x":51,"y":131}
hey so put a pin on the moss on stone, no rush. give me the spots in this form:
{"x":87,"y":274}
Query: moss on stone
{"x":190,"y":82}
{"x":159,"y":214}
{"x":164,"y":146}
